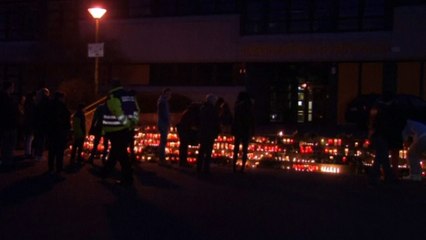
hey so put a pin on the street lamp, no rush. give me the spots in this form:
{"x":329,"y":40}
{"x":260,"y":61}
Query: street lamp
{"x":97,"y":14}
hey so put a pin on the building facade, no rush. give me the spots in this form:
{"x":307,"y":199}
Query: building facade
{"x":302,"y":60}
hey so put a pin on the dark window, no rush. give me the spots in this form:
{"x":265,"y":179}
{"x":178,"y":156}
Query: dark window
{"x":278,"y":16}
{"x":374,"y":15}
{"x":255,"y":17}
{"x":348,"y":15}
{"x":324,"y":16}
{"x":302,"y":16}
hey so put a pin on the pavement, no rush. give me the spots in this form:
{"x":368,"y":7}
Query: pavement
{"x":174,"y":203}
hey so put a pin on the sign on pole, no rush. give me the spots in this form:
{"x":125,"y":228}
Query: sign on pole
{"x":95,"y":50}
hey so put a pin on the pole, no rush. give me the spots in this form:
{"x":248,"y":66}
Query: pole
{"x":96,"y":58}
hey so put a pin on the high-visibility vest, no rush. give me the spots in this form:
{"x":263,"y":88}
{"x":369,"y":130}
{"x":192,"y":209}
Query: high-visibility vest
{"x":129,"y":109}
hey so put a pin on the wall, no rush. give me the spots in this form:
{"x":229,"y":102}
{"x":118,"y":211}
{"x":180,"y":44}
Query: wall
{"x":408,"y":78}
{"x":348,"y":87}
{"x":371,"y":78}
{"x":157,"y":40}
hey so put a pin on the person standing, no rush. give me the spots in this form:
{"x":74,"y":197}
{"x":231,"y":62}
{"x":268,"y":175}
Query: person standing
{"x":29,"y":111}
{"x":163,"y":122}
{"x":208,"y":131}
{"x":414,"y":134}
{"x":119,"y":119}
{"x":40,"y":124}
{"x":8,"y":122}
{"x":242,"y":128}
{"x":187,"y":130}
{"x":96,"y":131}
{"x":79,"y":134}
{"x":225,"y":116}
{"x":59,"y":120}
{"x":379,"y":134}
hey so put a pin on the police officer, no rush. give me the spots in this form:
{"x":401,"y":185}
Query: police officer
{"x":119,"y":120}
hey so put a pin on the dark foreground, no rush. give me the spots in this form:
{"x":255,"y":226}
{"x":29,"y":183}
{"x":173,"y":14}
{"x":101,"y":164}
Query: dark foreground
{"x":173,"y":203}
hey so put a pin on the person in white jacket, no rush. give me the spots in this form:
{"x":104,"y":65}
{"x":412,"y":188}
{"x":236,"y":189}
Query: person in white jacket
{"x":415,"y":134}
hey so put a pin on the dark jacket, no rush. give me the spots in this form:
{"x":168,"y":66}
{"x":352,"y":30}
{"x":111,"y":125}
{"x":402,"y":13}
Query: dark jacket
{"x":58,"y":117}
{"x":29,"y":112}
{"x":40,"y":115}
{"x":209,"y":122}
{"x":388,"y":123}
{"x":96,"y":125}
{"x":243,"y":124}
{"x":189,"y":124}
{"x":79,"y":124}
{"x":122,"y":111}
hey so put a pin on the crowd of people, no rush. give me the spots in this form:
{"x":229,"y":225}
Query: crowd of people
{"x":392,"y":127}
{"x":202,"y":122}
{"x":37,"y":121}
{"x":42,"y":121}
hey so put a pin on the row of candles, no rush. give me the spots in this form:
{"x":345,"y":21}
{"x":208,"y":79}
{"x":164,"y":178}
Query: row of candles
{"x":303,"y":155}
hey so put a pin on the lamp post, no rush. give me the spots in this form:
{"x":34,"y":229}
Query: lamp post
{"x":97,"y":14}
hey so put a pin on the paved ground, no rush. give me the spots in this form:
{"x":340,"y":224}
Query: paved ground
{"x":171,"y":203}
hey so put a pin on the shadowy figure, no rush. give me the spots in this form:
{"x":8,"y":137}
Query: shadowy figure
{"x":79,"y":134}
{"x":40,"y":124}
{"x":208,"y":131}
{"x":383,"y":137}
{"x":59,"y":119}
{"x":414,"y":135}
{"x":8,"y":123}
{"x":119,"y":119}
{"x":21,"y":99}
{"x":163,"y":122}
{"x":133,"y":131}
{"x":96,"y":131}
{"x":225,"y":116}
{"x":242,"y":128}
{"x":187,"y":130}
{"x":29,"y":111}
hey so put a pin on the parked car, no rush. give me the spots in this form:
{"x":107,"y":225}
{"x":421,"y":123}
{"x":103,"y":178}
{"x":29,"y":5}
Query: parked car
{"x":410,"y":106}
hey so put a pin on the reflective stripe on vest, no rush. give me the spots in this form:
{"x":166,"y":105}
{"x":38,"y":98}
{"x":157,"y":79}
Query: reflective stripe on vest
{"x":128,"y":104}
{"x":111,"y":120}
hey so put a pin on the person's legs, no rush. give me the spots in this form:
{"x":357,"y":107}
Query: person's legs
{"x":208,"y":155}
{"x":245,"y":142}
{"x":121,"y":144}
{"x":29,"y":137}
{"x":414,"y":156}
{"x":381,"y":159}
{"x":73,"y":151}
{"x":59,"y":159}
{"x":237,"y":141}
{"x":51,"y":157}
{"x":113,"y":155}
{"x":94,"y":149}
{"x":183,"y":152}
{"x":79,"y":145}
{"x":163,"y":143}
{"x":201,"y":156}
{"x":105,"y":152}
{"x":39,"y":144}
